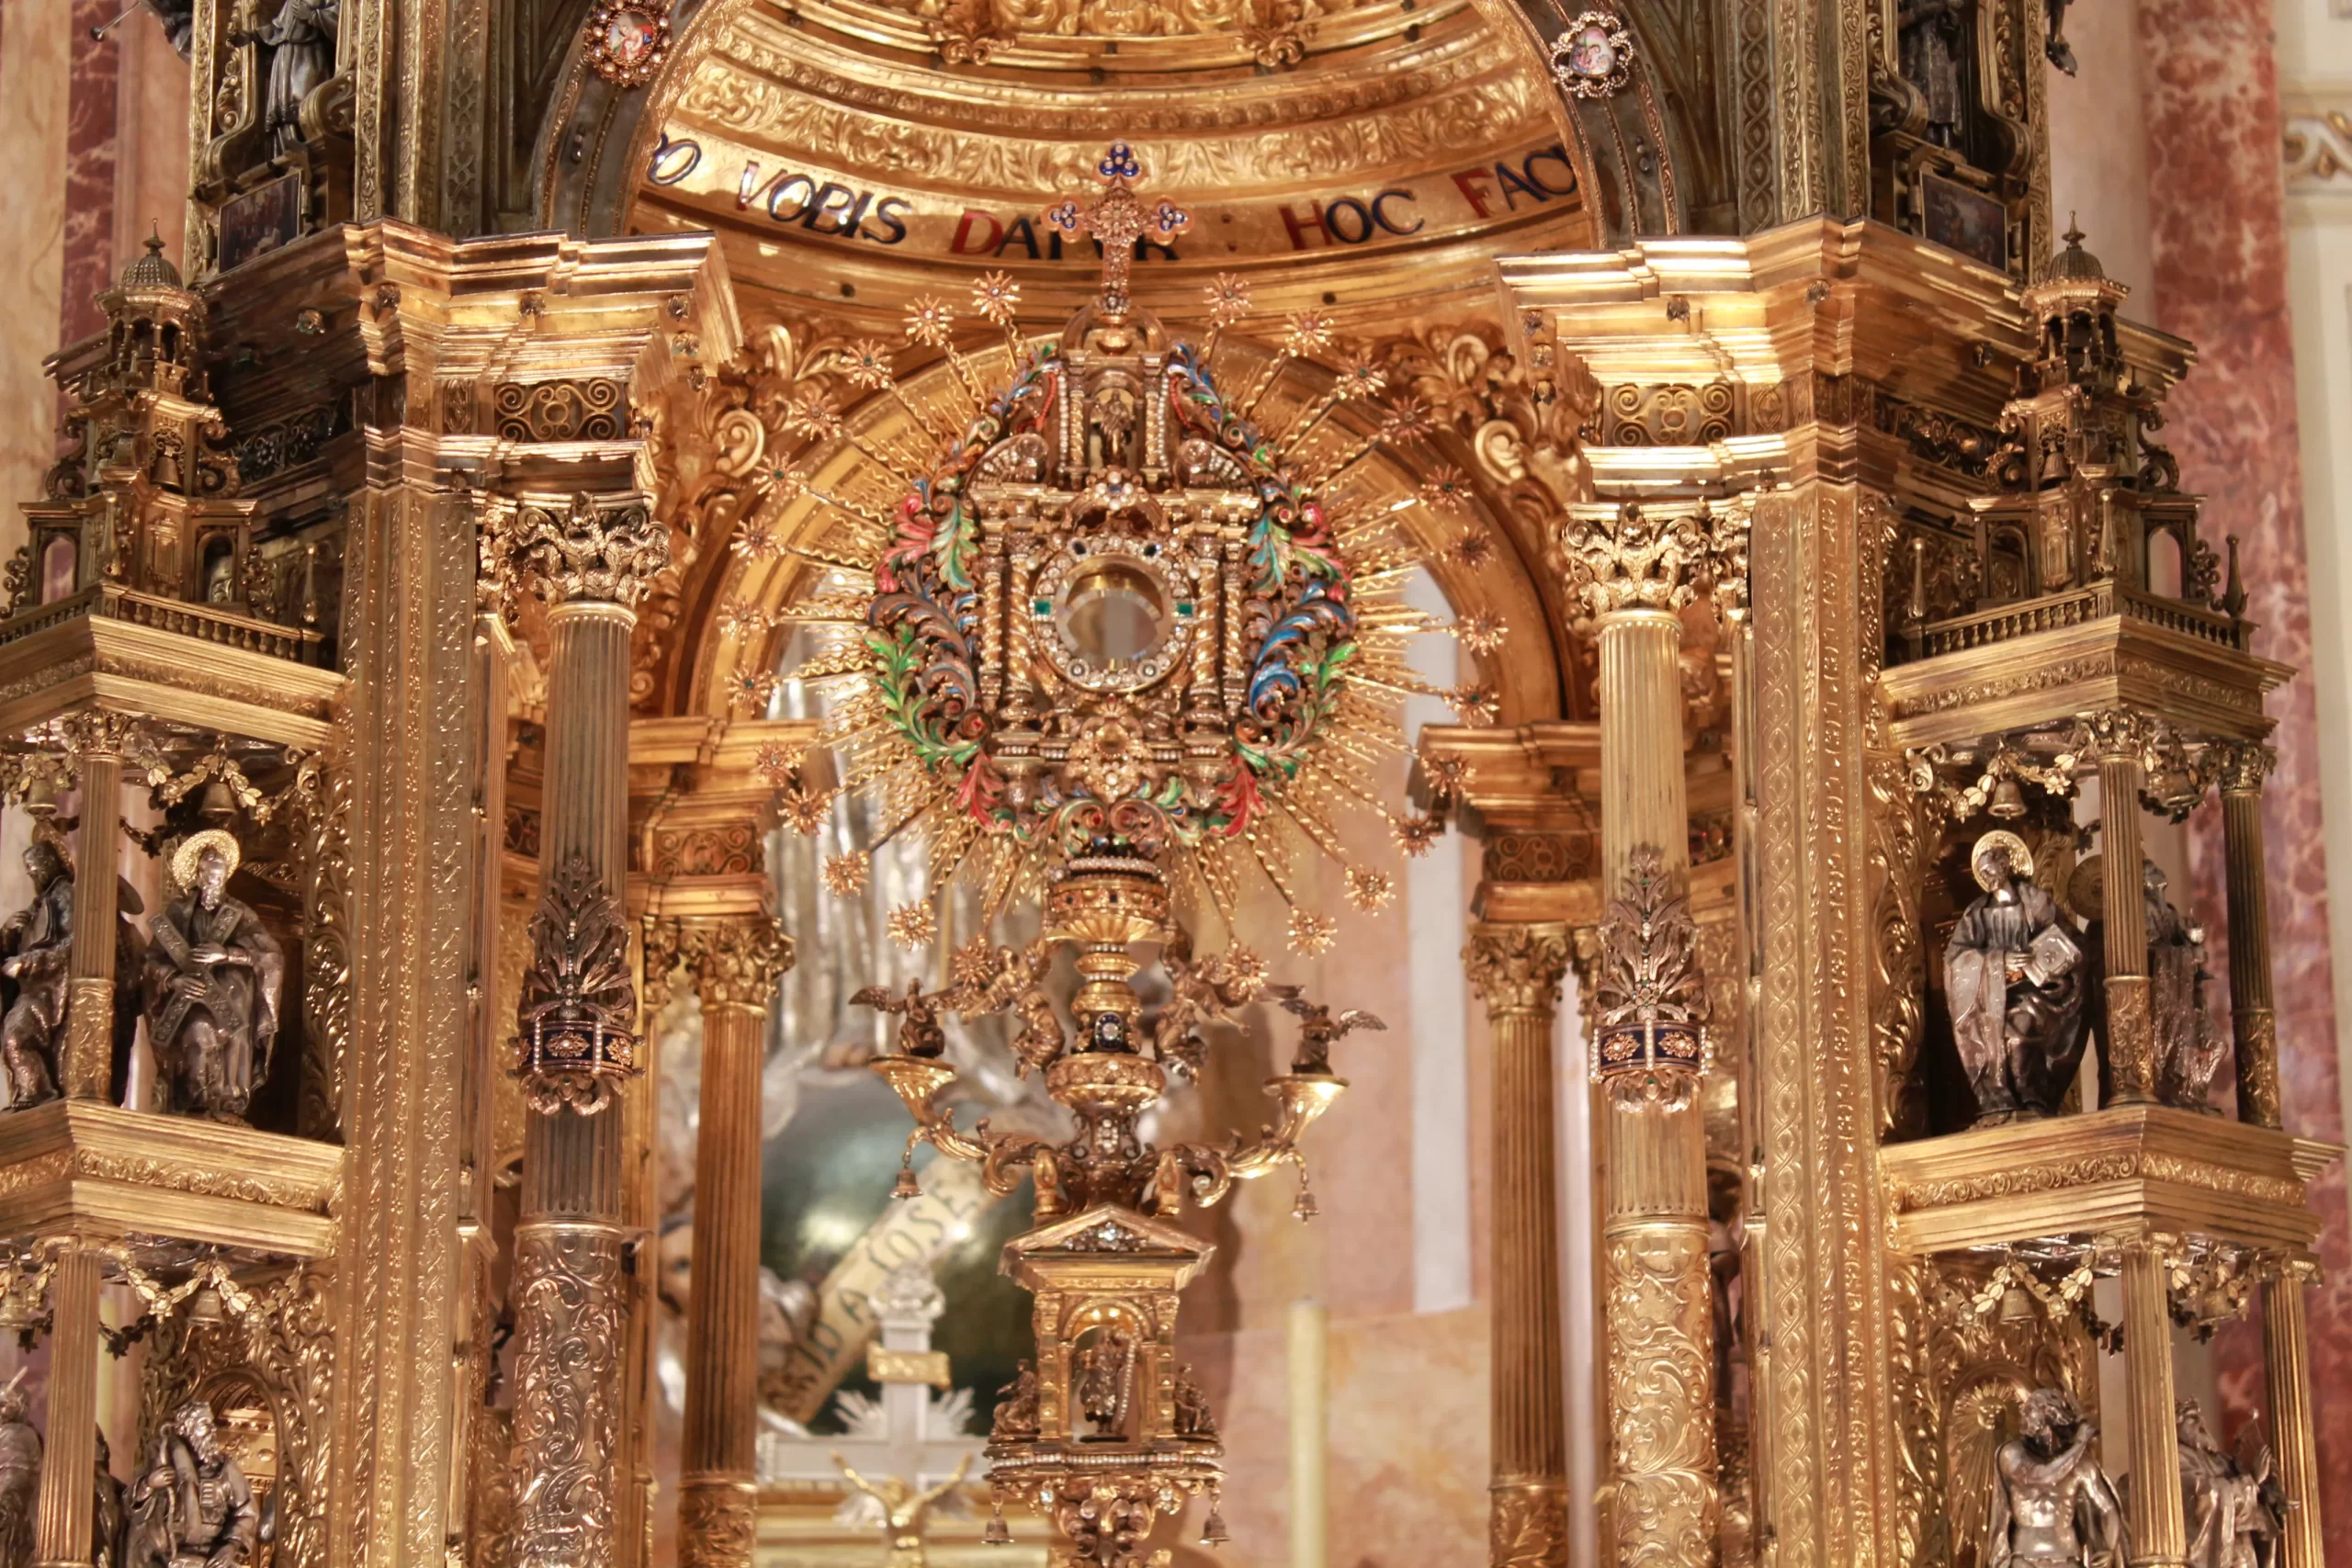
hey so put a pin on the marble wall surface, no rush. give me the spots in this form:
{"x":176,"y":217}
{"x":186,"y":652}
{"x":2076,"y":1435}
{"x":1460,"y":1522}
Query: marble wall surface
{"x":2208,"y":73}
{"x":96,"y":131}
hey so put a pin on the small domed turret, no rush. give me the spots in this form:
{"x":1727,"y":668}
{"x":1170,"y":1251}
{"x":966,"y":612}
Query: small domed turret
{"x":153,"y":270}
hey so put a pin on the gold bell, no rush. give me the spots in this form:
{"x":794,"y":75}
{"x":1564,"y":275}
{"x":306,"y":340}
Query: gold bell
{"x":19,"y":1306}
{"x":2016,"y":1305}
{"x":906,"y":1186}
{"x":998,"y":1533}
{"x":1212,"y":1527}
{"x":2008,"y":801}
{"x":217,"y":805}
{"x":206,"y":1307}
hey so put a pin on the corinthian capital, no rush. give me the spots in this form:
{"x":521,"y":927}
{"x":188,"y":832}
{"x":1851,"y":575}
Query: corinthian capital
{"x":597,"y":549}
{"x":1656,"y":557}
{"x":1516,"y":966}
{"x":735,"y":960}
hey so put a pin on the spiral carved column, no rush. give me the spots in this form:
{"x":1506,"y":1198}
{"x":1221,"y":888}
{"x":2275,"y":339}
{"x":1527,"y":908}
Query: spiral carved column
{"x":1636,"y":572}
{"x":1516,"y":969}
{"x":735,"y":961}
{"x":592,"y":561}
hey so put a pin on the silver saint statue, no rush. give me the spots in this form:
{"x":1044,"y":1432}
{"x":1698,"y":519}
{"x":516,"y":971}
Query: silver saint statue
{"x":108,"y":1517}
{"x":2190,"y":1045}
{"x":1931,"y":34}
{"x":2228,"y":1510}
{"x":19,"y":1474}
{"x":2052,"y":1504}
{"x":192,"y":1507}
{"x":211,"y":977}
{"x":37,"y":945}
{"x":2014,"y":976}
{"x":302,"y":56}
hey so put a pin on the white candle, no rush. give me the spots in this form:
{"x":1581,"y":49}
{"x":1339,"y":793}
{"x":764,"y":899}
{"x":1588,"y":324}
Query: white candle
{"x":1307,"y":1464}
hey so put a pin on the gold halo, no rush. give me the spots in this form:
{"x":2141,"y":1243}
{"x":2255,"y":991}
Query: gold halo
{"x":191,"y":851}
{"x":2020,"y":857}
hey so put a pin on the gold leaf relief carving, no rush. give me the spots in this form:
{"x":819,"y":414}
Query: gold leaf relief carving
{"x":1783,"y":1048}
{"x":1660,"y":1359}
{"x":1527,"y":1527}
{"x":569,"y":1320}
{"x":785,"y":102}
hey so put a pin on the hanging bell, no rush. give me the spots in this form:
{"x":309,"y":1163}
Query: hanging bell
{"x":2008,"y":801}
{"x":20,"y":1305}
{"x":1212,"y":1527}
{"x":1305,"y":1209}
{"x":217,"y":805}
{"x":2016,"y":1305}
{"x":998,"y":1533}
{"x":206,"y":1306}
{"x":906,"y":1186}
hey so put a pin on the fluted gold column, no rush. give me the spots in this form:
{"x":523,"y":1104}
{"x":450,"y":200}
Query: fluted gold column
{"x":2253,"y":1023}
{"x":1516,"y":969}
{"x":2131,"y":1032}
{"x":1637,"y":571}
{"x":2286,"y":1335}
{"x":590,"y":560}
{"x":61,"y":1524}
{"x":97,"y":740}
{"x":736,"y":962}
{"x":2151,"y":1433}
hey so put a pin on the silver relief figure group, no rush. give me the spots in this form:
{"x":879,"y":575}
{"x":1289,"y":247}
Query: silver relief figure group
{"x":206,"y":981}
{"x":189,"y":1507}
{"x":2025,"y":986}
{"x":2053,"y":1503}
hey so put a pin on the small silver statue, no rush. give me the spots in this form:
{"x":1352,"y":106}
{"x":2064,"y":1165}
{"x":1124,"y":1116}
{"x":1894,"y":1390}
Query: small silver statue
{"x":2190,"y":1046}
{"x":2015,"y":978}
{"x":19,"y":1474}
{"x":37,"y":945}
{"x":107,"y":1515}
{"x":193,"y":1507}
{"x":2052,"y":1504}
{"x":211,"y":977}
{"x":1931,"y":34}
{"x":301,"y":55}
{"x":2231,"y":1520}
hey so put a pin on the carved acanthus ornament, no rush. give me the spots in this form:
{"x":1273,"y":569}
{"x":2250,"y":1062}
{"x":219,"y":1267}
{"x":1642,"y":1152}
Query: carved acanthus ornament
{"x":594,"y":549}
{"x":1517,"y":968}
{"x":1631,"y":557}
{"x":735,"y":960}
{"x":578,"y":1015}
{"x":1651,"y":1045}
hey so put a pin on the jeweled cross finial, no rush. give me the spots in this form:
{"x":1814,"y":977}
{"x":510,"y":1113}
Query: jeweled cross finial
{"x":1118,"y":220}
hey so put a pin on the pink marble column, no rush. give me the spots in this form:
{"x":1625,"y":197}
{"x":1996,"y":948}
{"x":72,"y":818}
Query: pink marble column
{"x":90,"y":123}
{"x":2217,"y":204}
